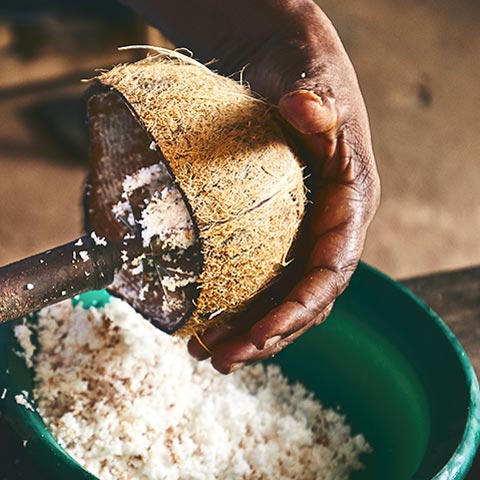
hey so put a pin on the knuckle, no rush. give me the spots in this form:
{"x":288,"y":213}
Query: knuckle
{"x":365,"y":181}
{"x":371,"y":191}
{"x":342,"y":279}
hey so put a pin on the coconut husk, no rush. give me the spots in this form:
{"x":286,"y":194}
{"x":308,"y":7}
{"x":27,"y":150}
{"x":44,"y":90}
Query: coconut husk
{"x":241,"y":180}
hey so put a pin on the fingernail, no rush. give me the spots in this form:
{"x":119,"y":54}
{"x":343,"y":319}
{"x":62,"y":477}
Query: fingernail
{"x":270,"y":342}
{"x":236,"y":366}
{"x":307,"y":112}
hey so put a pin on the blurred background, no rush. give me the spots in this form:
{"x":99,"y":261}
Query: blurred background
{"x":418,"y":66}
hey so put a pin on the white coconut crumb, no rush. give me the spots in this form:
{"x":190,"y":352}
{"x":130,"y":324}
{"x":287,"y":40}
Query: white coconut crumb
{"x":30,"y":286}
{"x":123,"y":209}
{"x":4,"y":394}
{"x":138,"y":268}
{"x":167,"y":218}
{"x":215,"y":314}
{"x":165,"y":215}
{"x":98,"y":240}
{"x":124,"y":258}
{"x":165,"y":222}
{"x":171,"y":283}
{"x":21,"y":399}
{"x":127,"y":401}
{"x":84,"y":255}
{"x":153,"y":146}
{"x":143,"y":291}
{"x":23,"y":335}
{"x":24,"y":443}
{"x":79,"y":243}
{"x":144,"y":176}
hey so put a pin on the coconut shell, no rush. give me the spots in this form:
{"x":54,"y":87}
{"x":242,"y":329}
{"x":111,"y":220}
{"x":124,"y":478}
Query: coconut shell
{"x":228,"y":155}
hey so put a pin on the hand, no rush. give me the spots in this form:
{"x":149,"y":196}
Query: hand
{"x":292,"y":56}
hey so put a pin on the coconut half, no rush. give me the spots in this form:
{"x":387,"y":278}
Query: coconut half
{"x":218,"y":191}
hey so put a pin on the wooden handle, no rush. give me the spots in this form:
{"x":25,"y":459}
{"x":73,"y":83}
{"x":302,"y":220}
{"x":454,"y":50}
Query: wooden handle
{"x":54,"y":275}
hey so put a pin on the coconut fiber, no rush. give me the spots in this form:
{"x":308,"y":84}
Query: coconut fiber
{"x":226,"y":153}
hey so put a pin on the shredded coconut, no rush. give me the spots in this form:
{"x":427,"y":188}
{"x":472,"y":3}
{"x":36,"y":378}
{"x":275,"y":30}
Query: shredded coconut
{"x":84,"y":255}
{"x":127,"y":401}
{"x":22,"y":399}
{"x":30,"y":286}
{"x":98,"y":240}
{"x":122,"y":209}
{"x":153,"y":210}
{"x":23,"y":334}
{"x":165,"y":215}
{"x":124,"y":258}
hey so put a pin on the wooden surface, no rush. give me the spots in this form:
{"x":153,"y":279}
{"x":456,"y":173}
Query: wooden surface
{"x":455,"y":296}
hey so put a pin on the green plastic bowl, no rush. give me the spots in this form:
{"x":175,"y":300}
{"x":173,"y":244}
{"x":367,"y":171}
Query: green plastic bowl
{"x":383,"y":357}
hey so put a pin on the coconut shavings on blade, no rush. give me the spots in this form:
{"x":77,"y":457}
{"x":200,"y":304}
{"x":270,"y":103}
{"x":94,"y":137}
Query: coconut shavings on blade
{"x":165,"y":216}
{"x":127,"y":401}
{"x":153,"y":208}
{"x":144,"y":213}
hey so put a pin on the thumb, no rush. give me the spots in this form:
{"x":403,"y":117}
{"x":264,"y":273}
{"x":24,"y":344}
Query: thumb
{"x":317,"y":120}
{"x":309,"y":113}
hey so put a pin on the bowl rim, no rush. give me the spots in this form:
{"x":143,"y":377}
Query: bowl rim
{"x":462,"y":458}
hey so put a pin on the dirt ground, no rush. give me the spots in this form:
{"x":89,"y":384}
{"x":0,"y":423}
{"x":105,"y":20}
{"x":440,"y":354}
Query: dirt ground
{"x":418,"y":65}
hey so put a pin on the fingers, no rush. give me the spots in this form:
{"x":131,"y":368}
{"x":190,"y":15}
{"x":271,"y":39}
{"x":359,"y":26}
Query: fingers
{"x":311,"y":300}
{"x":335,"y":137}
{"x":231,"y":356}
{"x":201,"y":347}
{"x":317,"y":121}
{"x":306,"y":71}
{"x":333,"y":260}
{"x":341,"y":211}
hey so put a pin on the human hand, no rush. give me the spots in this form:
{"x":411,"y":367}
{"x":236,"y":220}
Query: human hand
{"x":290,"y":54}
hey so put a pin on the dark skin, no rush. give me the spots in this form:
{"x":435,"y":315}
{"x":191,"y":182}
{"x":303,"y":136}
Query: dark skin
{"x":289,"y":53}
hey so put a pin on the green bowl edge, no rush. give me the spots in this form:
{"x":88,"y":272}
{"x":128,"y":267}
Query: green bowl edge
{"x":461,"y":461}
